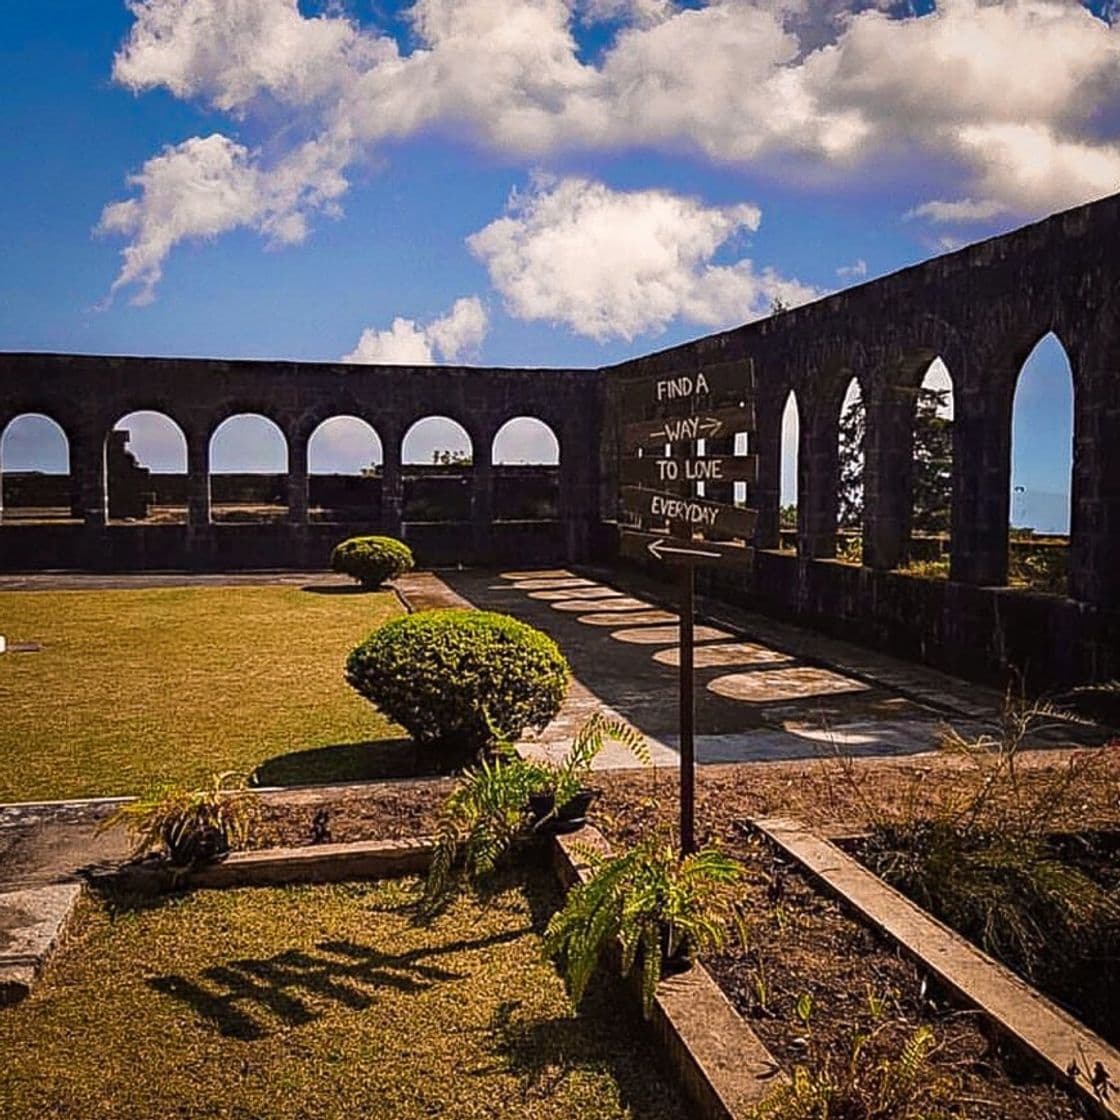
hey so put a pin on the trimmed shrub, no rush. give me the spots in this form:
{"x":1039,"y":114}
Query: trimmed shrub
{"x":372,"y":560}
{"x":460,"y":679}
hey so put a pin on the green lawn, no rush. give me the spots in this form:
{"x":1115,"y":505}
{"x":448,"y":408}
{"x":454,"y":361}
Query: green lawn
{"x":134,"y":687}
{"x":321,"y":1002}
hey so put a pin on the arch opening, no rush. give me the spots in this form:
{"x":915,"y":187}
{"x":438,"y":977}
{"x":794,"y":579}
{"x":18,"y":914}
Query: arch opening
{"x":852,"y":434}
{"x":1041,"y":470}
{"x":931,"y":483}
{"x":526,"y":459}
{"x":146,"y":469}
{"x":345,"y":460}
{"x":790,"y":459}
{"x":36,"y":483}
{"x":248,"y":464}
{"x":437,"y":459}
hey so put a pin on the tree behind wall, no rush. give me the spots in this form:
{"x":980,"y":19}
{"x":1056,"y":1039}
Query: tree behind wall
{"x":933,"y":463}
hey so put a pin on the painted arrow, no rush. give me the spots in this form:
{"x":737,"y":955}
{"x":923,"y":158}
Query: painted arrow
{"x":681,"y":550}
{"x":709,"y":424}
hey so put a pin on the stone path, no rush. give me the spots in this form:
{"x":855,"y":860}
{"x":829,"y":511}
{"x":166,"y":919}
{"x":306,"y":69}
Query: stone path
{"x":758,"y":699}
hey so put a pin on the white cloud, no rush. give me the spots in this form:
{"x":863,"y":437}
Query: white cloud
{"x":961,"y":210}
{"x":618,"y":264}
{"x":1014,"y":98}
{"x":854,"y":271}
{"x":406,"y":343}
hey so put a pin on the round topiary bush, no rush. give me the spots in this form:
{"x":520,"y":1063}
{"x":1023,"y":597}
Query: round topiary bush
{"x":371,"y":560}
{"x":456,"y":678}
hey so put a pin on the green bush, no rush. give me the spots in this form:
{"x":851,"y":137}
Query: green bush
{"x":371,"y":560}
{"x":460,"y":679}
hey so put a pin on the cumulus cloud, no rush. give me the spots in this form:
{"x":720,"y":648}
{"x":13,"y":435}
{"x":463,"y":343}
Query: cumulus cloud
{"x":1014,"y":98}
{"x":406,"y":343}
{"x":961,"y":210}
{"x":857,"y":270}
{"x":612,"y":263}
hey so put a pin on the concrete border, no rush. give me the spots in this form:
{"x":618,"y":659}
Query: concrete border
{"x":722,"y":1064}
{"x":34,"y":921}
{"x":1021,"y":1014}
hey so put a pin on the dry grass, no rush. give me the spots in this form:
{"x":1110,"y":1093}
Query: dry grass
{"x":135,"y":687}
{"x":320,"y":1002}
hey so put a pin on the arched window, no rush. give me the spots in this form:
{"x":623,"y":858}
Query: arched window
{"x":790,"y":445}
{"x":849,"y":506}
{"x":146,"y":469}
{"x":526,"y":459}
{"x":932,"y":473}
{"x":344,"y":459}
{"x":1041,"y":466}
{"x":436,"y":459}
{"x":248,"y":470}
{"x":525,"y":441}
{"x":34,"y":470}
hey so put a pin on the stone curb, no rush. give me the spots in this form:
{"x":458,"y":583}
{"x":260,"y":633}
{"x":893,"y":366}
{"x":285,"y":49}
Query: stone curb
{"x":1021,"y":1014}
{"x":33,"y":922}
{"x":270,"y":867}
{"x":724,"y":1067}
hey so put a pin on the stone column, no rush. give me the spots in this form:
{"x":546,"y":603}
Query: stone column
{"x":818,"y":479}
{"x":887,"y":478}
{"x":87,"y":473}
{"x":981,"y":477}
{"x":765,"y":494}
{"x":1094,"y":574}
{"x":198,"y":479}
{"x":392,"y":487}
{"x":482,"y":500}
{"x":297,"y":479}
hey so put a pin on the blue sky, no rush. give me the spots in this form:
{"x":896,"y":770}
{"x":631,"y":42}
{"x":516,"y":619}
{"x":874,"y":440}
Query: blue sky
{"x":521,"y":182}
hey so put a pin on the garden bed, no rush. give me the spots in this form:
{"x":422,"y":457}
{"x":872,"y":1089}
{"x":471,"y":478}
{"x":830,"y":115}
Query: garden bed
{"x":814,"y":980}
{"x":321,"y":1001}
{"x":1084,"y":978}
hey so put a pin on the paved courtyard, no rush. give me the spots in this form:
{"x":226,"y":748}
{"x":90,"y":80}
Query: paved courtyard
{"x":754,"y":700}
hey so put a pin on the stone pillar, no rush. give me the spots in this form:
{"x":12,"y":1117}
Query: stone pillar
{"x":1094,"y":574}
{"x":887,"y":478}
{"x":482,"y":502}
{"x":981,"y":477}
{"x":198,"y":479}
{"x":765,"y":494}
{"x":297,"y":479}
{"x":87,"y":473}
{"x":392,"y":487}
{"x":818,"y":479}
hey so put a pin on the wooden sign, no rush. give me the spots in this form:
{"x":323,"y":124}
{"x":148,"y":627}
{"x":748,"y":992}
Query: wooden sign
{"x":726,"y":383}
{"x":716,"y":423}
{"x":682,"y":550}
{"x":690,"y":515}
{"x":675,"y":474}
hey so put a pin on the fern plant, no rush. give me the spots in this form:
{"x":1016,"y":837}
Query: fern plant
{"x":186,"y":827}
{"x":489,"y":810}
{"x":903,"y":1087}
{"x":565,"y":779}
{"x":652,"y":905}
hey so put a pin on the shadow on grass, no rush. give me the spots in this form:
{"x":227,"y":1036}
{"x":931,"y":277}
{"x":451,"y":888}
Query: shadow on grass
{"x":607,"y":1037}
{"x":240,"y":997}
{"x":351,"y":762}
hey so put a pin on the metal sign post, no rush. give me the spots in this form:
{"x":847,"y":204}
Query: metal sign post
{"x":674,"y":526}
{"x":687,"y":711}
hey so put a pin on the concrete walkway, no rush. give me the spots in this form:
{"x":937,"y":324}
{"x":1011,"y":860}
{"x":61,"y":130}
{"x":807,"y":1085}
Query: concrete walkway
{"x":764,"y":692}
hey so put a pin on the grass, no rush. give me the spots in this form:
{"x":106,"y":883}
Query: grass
{"x":320,"y":1001}
{"x":171,"y":684}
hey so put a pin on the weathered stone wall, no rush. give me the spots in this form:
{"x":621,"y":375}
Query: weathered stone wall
{"x":982,"y":310}
{"x":86,"y":396}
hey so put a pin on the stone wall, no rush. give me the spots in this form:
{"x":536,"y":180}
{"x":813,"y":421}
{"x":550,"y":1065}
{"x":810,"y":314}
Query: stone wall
{"x":982,"y":310}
